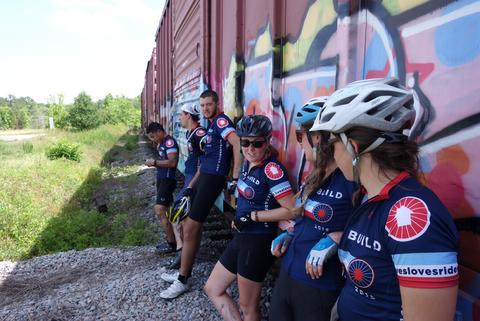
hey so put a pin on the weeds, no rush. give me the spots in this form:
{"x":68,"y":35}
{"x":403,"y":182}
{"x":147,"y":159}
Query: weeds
{"x":64,"y":150}
{"x":27,"y":147}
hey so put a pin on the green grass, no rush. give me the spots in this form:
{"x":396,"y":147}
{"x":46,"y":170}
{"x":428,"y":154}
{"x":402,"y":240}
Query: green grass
{"x":45,"y":205}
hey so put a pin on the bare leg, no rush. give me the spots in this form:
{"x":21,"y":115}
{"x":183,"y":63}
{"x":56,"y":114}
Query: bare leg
{"x":177,"y":230}
{"x":160,"y":211}
{"x":192,"y":233}
{"x":216,"y":286}
{"x":249,"y":297}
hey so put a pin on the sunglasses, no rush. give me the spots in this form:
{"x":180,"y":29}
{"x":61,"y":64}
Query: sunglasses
{"x":255,"y":144}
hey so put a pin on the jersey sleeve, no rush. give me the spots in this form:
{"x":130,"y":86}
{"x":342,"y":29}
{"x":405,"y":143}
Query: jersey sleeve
{"x":422,"y":240}
{"x":171,"y":147}
{"x":277,"y":180}
{"x":197,"y":137}
{"x":224,"y":126}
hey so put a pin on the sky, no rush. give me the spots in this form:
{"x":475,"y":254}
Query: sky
{"x":51,"y":47}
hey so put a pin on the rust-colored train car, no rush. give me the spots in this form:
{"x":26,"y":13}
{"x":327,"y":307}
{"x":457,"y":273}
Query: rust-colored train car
{"x":149,"y":92}
{"x":270,"y":56}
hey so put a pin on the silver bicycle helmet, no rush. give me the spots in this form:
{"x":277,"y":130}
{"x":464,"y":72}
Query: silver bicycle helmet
{"x":191,"y":109}
{"x":381,"y":104}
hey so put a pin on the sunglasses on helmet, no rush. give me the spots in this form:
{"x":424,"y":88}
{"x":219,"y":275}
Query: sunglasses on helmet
{"x":255,"y":144}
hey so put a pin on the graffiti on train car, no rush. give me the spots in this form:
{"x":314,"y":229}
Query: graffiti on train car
{"x":270,"y":67}
{"x":433,"y":54}
{"x":392,"y":40}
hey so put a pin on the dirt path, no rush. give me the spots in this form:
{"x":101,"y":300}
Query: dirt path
{"x":18,"y":137}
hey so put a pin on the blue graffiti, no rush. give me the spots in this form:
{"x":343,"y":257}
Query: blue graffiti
{"x":458,"y":41}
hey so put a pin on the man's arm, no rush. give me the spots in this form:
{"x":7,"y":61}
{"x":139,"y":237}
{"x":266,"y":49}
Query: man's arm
{"x":234,"y":140}
{"x":171,"y":162}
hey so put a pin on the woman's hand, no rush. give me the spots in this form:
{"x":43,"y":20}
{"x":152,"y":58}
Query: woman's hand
{"x":323,"y":250}
{"x":280,"y":244}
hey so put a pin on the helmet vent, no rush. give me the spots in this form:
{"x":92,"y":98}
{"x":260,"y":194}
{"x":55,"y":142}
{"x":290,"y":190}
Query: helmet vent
{"x":374,"y":111}
{"x":378,"y":93}
{"x":344,"y":101}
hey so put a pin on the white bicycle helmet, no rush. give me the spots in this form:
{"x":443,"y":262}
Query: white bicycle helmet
{"x":191,"y":109}
{"x":381,"y":104}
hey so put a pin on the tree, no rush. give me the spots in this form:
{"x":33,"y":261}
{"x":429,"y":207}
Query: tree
{"x":83,"y":114}
{"x":117,"y":110}
{"x":20,"y":117}
{"x":5,"y":118}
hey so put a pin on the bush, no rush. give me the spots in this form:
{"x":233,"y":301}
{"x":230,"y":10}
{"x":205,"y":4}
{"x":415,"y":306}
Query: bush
{"x":27,"y":147}
{"x":83,"y":115}
{"x":64,"y":150}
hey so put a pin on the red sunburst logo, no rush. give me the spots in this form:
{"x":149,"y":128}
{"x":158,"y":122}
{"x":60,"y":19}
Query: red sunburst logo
{"x":273,"y":171}
{"x":222,"y":123}
{"x":169,"y":143}
{"x":408,"y":219}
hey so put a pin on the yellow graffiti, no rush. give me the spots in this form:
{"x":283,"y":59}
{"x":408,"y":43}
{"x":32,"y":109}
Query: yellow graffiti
{"x":398,"y":6}
{"x":230,"y":106}
{"x":320,"y":14}
{"x":263,"y":44}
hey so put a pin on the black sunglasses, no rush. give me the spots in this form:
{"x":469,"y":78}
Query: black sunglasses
{"x":255,"y":144}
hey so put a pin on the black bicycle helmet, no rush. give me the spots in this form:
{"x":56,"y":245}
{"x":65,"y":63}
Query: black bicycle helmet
{"x":254,"y":126}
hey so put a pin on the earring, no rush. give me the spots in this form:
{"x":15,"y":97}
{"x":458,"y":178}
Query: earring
{"x":355,"y":160}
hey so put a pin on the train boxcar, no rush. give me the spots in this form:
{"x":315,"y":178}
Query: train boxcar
{"x":269,"y":57}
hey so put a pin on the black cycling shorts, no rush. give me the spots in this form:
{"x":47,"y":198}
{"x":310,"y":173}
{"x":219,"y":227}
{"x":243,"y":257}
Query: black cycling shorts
{"x":293,"y":300}
{"x":249,"y":255}
{"x":207,"y":188}
{"x":165,"y":188}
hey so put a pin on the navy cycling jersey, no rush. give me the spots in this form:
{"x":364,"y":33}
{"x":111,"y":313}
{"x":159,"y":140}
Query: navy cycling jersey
{"x":325,"y":211}
{"x":218,"y":154}
{"x":194,"y":152}
{"x":259,"y":189}
{"x":167,"y":147}
{"x":404,"y":236}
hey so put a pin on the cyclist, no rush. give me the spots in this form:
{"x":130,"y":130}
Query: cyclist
{"x":263,"y":190}
{"x":399,"y":248}
{"x":189,"y":119}
{"x":310,"y":278}
{"x":166,"y":166}
{"x":214,"y":168}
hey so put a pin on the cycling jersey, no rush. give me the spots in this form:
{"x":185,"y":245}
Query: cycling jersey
{"x":194,"y":152}
{"x":259,"y":189}
{"x":167,"y":147}
{"x":325,"y":211}
{"x":218,"y":154}
{"x":403,"y":236}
